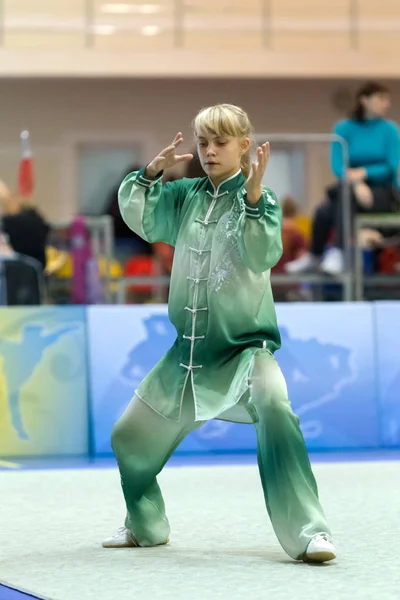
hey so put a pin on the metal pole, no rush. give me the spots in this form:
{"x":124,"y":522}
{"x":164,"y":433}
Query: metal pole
{"x":89,"y":23}
{"x":101,"y":235}
{"x":358,"y":265}
{"x":347,"y":295}
{"x":179,"y":28}
{"x":347,"y":225}
{"x":108,"y":254}
{"x":120,"y":296}
{"x":354,"y":21}
{"x":300,"y":137}
{"x":266,"y":23}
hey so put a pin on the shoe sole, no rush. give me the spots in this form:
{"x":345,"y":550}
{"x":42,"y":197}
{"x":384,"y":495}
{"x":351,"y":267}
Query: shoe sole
{"x":133,"y":545}
{"x":119,"y":545}
{"x":319,"y":557}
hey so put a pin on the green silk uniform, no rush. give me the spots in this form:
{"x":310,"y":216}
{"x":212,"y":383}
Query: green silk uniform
{"x":221,"y":364}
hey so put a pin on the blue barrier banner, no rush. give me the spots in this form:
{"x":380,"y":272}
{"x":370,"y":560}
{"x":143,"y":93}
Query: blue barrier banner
{"x":326,"y":356}
{"x":387,"y":323}
{"x":43,"y":381}
{"x":328,"y":360}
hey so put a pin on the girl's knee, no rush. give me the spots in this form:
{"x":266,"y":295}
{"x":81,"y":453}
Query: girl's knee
{"x":118,"y":435}
{"x":125,"y":430}
{"x":268,"y":386}
{"x":271,"y":398}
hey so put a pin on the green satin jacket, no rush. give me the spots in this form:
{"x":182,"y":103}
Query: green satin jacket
{"x":220,"y":298}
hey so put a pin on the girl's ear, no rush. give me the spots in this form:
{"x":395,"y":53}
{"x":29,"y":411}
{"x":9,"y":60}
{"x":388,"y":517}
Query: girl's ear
{"x":245,"y":145}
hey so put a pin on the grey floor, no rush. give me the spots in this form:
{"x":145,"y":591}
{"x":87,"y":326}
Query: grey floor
{"x":52,"y":524}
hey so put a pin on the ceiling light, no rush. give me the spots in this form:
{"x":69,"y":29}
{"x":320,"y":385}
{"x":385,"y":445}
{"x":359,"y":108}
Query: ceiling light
{"x":105,"y":29}
{"x":149,"y":9}
{"x":150,"y":30}
{"x":125,"y":9}
{"x":118,"y":9}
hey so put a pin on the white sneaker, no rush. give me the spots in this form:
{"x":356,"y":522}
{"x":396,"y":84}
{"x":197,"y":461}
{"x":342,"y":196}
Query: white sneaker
{"x":332,"y":262}
{"x":320,"y":550}
{"x":122,"y":539}
{"x":306,"y":262}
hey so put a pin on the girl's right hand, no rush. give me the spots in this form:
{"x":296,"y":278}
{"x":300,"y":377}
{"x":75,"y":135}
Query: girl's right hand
{"x":167,"y":158}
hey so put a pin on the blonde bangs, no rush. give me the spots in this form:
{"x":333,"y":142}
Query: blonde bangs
{"x":220,"y":120}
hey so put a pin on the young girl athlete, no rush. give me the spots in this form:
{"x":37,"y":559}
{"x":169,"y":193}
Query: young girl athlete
{"x":226,"y":229}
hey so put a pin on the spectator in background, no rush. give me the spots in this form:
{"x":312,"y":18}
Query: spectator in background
{"x":294,"y":242}
{"x":24,"y":227}
{"x":127,"y":242}
{"x":373,"y":144}
{"x":294,"y":246}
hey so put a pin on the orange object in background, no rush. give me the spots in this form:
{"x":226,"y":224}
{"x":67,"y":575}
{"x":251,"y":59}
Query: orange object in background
{"x":165,"y":256}
{"x":144,"y":266}
{"x":304,"y":224}
{"x":294,"y":242}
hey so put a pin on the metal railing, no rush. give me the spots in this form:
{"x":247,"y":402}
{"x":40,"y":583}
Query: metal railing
{"x":260,"y":20}
{"x":375,"y":221}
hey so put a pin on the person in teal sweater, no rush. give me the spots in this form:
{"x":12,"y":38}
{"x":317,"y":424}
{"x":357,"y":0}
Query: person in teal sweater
{"x":373,"y":144}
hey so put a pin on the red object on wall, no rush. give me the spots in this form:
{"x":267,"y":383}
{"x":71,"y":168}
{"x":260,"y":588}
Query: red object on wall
{"x":25,"y":172}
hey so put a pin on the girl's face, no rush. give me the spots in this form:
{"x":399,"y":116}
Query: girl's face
{"x":220,"y":156}
{"x":376,"y":105}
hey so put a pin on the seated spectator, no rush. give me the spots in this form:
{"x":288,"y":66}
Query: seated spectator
{"x":373,"y":144}
{"x":293,"y":241}
{"x":127,"y":242}
{"x":24,"y":227}
{"x":294,"y":246}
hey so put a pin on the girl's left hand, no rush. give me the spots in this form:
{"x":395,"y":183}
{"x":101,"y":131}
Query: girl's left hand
{"x":257,"y":170}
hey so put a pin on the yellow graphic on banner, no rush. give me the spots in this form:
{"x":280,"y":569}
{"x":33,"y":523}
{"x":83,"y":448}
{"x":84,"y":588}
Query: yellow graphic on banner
{"x":43,"y":388}
{"x":9,"y":465}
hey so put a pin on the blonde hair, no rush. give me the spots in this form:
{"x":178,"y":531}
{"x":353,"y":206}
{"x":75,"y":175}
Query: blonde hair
{"x":225,"y":119}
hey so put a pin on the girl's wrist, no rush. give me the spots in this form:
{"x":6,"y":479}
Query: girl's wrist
{"x":254,"y":197}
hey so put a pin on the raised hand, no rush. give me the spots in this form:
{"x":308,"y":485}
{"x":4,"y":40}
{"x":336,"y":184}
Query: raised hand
{"x":254,"y":181}
{"x":168,"y":158}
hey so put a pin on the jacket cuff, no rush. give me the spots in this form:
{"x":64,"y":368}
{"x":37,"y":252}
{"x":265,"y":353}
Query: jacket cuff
{"x":146,"y":181}
{"x":254,"y":211}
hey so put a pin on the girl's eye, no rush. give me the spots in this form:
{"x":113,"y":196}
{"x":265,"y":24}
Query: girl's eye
{"x":221,"y":143}
{"x":202,"y":144}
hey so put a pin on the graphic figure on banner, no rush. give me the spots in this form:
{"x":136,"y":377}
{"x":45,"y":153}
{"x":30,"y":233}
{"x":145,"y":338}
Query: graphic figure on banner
{"x":19,"y":360}
{"x":142,"y":358}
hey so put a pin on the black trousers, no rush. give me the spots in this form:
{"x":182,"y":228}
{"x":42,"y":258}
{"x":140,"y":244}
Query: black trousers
{"x":329,"y":215}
